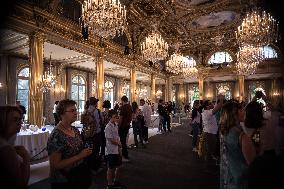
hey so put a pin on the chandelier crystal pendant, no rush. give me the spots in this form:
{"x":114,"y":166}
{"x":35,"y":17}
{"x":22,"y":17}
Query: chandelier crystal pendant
{"x":176,"y":63}
{"x":190,"y":72}
{"x":159,"y":93}
{"x":47,"y":80}
{"x":107,"y":18}
{"x":248,"y":59}
{"x":154,"y":48}
{"x":142,"y":92}
{"x":258,"y":28}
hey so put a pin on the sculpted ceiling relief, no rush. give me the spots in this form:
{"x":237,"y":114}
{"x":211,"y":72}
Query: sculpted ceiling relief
{"x":149,"y":9}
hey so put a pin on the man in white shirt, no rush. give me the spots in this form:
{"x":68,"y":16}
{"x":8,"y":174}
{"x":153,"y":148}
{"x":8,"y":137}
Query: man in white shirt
{"x":56,"y":120}
{"x":210,"y":129}
{"x":147,"y":112}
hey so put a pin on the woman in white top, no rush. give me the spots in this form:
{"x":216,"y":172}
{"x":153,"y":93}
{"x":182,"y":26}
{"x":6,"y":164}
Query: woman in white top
{"x":56,"y":119}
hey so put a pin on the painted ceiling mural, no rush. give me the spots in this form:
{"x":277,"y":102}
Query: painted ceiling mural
{"x":214,"y":19}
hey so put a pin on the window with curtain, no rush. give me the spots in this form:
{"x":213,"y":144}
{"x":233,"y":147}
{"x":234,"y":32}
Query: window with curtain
{"x":220,"y":57}
{"x":78,"y":92}
{"x":94,"y":88}
{"x":108,"y":92}
{"x":126,"y":89}
{"x":23,"y":88}
{"x":193,"y":94}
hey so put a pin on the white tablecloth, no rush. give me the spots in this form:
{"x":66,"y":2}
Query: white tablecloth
{"x":155,"y":120}
{"x":78,"y":125}
{"x":34,"y":142}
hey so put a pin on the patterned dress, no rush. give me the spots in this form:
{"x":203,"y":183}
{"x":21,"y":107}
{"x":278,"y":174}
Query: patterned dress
{"x":67,"y":145}
{"x":233,"y":167}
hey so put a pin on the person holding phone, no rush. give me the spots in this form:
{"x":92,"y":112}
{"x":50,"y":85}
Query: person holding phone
{"x":67,"y":152}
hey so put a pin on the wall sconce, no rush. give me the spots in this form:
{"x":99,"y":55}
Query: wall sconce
{"x":1,"y":86}
{"x":276,"y":93}
{"x":59,"y":89}
{"x":208,"y":95}
{"x":181,"y":96}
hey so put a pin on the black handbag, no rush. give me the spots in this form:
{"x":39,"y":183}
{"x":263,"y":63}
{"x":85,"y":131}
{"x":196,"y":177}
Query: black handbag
{"x":79,"y":177}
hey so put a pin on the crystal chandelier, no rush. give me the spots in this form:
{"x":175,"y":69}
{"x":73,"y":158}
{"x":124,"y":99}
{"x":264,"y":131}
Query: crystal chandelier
{"x":142,"y":92}
{"x":190,"y":72}
{"x":47,"y":80}
{"x":108,"y":87}
{"x":125,"y":89}
{"x":258,"y":28}
{"x":248,"y":59}
{"x":176,"y":63}
{"x":103,"y":17}
{"x":159,"y":93}
{"x":179,"y":64}
{"x":154,"y":48}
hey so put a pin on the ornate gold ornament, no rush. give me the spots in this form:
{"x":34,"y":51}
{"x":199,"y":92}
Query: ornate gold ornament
{"x":248,"y":59}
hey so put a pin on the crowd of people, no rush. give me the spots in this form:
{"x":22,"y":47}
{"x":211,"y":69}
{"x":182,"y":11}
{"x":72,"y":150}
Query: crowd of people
{"x":103,"y":140}
{"x":239,"y":141}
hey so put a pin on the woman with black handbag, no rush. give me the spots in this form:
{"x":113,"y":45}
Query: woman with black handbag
{"x":67,"y":152}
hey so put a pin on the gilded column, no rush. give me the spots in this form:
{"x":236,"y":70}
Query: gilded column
{"x":201,"y":87}
{"x":100,"y":80}
{"x":170,"y":89}
{"x":133,"y":95}
{"x":181,"y":93}
{"x":241,"y":87}
{"x":36,"y":42}
{"x":167,"y":90}
{"x":153,"y":88}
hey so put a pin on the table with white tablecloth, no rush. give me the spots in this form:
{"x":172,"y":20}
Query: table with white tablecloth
{"x":155,"y":120}
{"x":78,"y":125}
{"x":34,"y":142}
